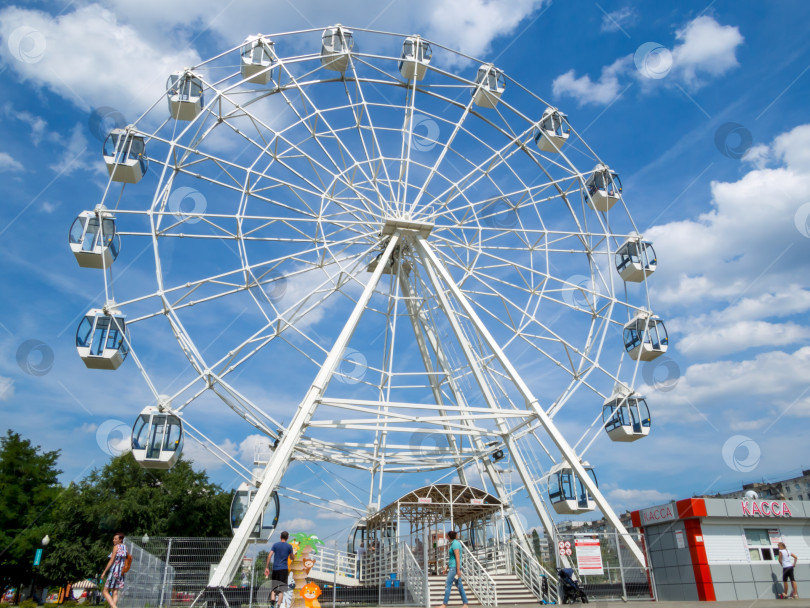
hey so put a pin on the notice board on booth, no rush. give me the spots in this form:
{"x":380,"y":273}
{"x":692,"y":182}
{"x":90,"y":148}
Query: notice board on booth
{"x":589,"y":556}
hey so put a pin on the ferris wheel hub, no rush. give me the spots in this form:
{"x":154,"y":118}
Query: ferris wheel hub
{"x":406,"y":227}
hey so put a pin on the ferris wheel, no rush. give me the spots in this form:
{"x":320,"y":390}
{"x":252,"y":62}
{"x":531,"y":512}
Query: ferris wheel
{"x":427,"y":255}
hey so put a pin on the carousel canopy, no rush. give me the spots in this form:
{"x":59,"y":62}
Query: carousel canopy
{"x":434,"y":504}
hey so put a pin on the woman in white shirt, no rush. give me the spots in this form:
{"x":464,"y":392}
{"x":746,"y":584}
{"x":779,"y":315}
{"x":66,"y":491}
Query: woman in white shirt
{"x":788,"y":561}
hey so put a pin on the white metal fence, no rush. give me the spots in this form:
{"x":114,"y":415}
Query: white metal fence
{"x":174,"y":573}
{"x":621,"y":578}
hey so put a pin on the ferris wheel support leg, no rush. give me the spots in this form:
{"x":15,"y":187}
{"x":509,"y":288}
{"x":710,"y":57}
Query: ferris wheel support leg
{"x":492,"y":473}
{"x":280,"y":459}
{"x":413,"y":314}
{"x":532,"y":402}
{"x":475,"y":366}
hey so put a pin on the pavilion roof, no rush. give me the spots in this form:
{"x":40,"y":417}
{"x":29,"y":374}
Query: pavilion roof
{"x":436,"y":503}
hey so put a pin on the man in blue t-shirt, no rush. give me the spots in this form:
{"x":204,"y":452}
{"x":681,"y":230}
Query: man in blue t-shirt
{"x":280,"y":552}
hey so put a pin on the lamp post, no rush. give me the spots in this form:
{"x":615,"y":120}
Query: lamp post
{"x":37,"y":560}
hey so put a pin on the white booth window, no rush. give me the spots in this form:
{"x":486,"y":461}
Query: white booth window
{"x":759,"y":545}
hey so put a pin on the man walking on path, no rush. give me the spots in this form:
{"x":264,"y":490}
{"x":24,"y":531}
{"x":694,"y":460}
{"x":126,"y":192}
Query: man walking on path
{"x":279,"y":553}
{"x":788,"y":561}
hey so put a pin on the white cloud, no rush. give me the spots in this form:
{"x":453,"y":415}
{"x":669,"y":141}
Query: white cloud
{"x":252,"y":444}
{"x":6,"y":388}
{"x":769,"y":381}
{"x":758,"y":156}
{"x":8,"y":163}
{"x":751,"y":244}
{"x":741,"y":325}
{"x":37,"y":124}
{"x":706,"y":48}
{"x":587,"y":92}
{"x":792,"y":148}
{"x":348,"y":511}
{"x":298,"y":524}
{"x":73,"y":154}
{"x":466,"y":25}
{"x":204,"y":458}
{"x":619,"y":19}
{"x":749,"y":425}
{"x":92,"y":60}
{"x":629,"y":499}
{"x":789,"y":300}
{"x":726,"y":338}
{"x":470,"y":26}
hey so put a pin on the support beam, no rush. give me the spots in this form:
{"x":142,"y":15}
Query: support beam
{"x":280,"y":460}
{"x":532,"y":402}
{"x":492,"y":402}
{"x":413,"y":315}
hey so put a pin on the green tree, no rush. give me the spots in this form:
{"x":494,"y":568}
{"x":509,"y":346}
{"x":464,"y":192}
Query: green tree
{"x":538,"y":551}
{"x":28,"y":488}
{"x":123,"y":496}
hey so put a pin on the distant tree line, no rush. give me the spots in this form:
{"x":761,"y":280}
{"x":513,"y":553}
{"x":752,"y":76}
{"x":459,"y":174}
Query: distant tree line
{"x":81,"y":518}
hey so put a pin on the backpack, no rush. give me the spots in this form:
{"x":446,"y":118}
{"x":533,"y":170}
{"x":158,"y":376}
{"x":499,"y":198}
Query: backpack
{"x":127,"y":563}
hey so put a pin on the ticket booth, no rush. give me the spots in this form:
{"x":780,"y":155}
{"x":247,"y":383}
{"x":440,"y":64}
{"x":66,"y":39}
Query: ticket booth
{"x":715,"y":549}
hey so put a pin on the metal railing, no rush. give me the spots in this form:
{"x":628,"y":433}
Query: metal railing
{"x":494,"y":556}
{"x":330,"y":560}
{"x":525,"y":566}
{"x":413,"y":577}
{"x":480,"y":581}
{"x":148,"y":579}
{"x":621,"y":577}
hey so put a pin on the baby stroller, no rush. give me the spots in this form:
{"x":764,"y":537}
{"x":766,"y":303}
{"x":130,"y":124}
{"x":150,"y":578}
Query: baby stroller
{"x":570,"y":591}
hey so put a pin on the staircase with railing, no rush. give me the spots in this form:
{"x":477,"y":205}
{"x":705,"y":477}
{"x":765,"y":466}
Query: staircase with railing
{"x":534,"y":576}
{"x":478,"y":579}
{"x":414,"y":578}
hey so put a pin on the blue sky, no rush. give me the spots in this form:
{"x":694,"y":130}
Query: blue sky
{"x":702,"y":109}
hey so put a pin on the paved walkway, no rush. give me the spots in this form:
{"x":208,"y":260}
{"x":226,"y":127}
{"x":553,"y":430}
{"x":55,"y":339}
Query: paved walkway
{"x":800,"y":603}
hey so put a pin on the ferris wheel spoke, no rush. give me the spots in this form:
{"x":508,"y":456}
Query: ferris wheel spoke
{"x":341,"y":148}
{"x":231,"y":282}
{"x":284,"y":322}
{"x":375,"y":143}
